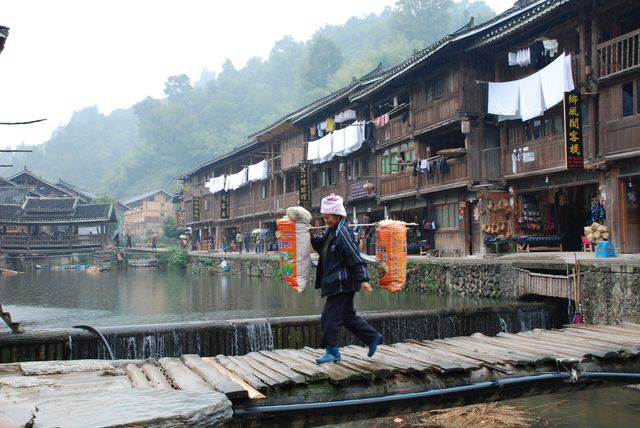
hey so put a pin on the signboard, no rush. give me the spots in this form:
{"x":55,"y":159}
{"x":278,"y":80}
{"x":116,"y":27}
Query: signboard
{"x":358,"y":189}
{"x":224,"y":204}
{"x":573,"y":130}
{"x":304,"y":193}
{"x":196,"y":208}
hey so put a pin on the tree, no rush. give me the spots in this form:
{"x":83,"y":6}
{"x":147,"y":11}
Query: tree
{"x":323,"y":59}
{"x":170,"y":228}
{"x":177,"y":86}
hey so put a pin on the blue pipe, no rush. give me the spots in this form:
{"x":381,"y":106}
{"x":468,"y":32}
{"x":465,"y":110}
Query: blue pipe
{"x":451,"y":392}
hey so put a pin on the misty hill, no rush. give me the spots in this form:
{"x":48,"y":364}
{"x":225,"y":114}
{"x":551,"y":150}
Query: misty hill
{"x":145,"y":147}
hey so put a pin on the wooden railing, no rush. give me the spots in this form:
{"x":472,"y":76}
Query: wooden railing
{"x":320,"y":192}
{"x":620,"y":136}
{"x":457,"y":171}
{"x":394,"y":129}
{"x":435,"y":112}
{"x":43,"y":242}
{"x":619,"y":54}
{"x":400,"y":182}
{"x":541,"y":155}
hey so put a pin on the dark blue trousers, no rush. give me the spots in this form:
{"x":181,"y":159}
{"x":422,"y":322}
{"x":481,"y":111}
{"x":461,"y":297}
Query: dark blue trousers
{"x":339,"y":311}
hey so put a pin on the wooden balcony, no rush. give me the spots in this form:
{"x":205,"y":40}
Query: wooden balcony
{"x":457,"y":172}
{"x":44,"y":242}
{"x":620,"y":136}
{"x":618,"y":55}
{"x":541,"y":156}
{"x":393,"y":130}
{"x":435,"y":112}
{"x":398,"y":184}
{"x":284,"y":201}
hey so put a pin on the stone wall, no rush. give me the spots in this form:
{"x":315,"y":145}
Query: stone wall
{"x":611,"y":294}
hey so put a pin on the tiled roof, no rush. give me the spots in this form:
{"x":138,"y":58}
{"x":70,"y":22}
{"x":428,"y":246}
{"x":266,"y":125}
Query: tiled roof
{"x":49,"y":205}
{"x":13,"y":195}
{"x":14,"y":214}
{"x":25,"y":171}
{"x":74,"y":189}
{"x":147,"y":195}
{"x":522,"y":13}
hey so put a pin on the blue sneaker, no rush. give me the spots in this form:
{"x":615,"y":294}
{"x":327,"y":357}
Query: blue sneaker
{"x":373,"y":346}
{"x":331,"y":355}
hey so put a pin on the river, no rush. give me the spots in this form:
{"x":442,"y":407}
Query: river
{"x":47,"y":299}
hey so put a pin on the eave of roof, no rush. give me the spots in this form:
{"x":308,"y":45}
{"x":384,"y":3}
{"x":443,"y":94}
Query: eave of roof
{"x":540,"y":7}
{"x":146,"y":195}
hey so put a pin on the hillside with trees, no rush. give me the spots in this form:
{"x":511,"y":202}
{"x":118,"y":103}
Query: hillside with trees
{"x":147,"y":146}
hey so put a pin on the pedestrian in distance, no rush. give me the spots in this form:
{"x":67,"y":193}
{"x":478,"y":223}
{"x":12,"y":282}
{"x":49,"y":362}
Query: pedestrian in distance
{"x":341,"y":272}
{"x":239,"y":239}
{"x":128,"y":240}
{"x":247,"y":241}
{"x":154,"y":242}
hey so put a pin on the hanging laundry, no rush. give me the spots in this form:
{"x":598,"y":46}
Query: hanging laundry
{"x":405,"y":116}
{"x":534,"y":94}
{"x":237,"y":180}
{"x":551,"y":47}
{"x":313,"y":150}
{"x":258,"y":171}
{"x":313,"y":131}
{"x":345,"y":116}
{"x":331,"y":124}
{"x":415,"y":169}
{"x":370,"y":133}
{"x":531,"y":97}
{"x":504,"y":98}
{"x":325,"y":148}
{"x":354,"y":137}
{"x":442,"y":165}
{"x":339,"y":141}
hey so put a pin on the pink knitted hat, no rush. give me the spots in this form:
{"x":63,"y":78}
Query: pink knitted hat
{"x":332,"y":204}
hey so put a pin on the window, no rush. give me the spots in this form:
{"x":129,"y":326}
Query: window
{"x":264,"y":191}
{"x":434,"y":89}
{"x":548,"y":125}
{"x":627,"y":99}
{"x":398,"y":158}
{"x":328,"y":176}
{"x":206,"y":204}
{"x":354,"y":169}
{"x":447,"y":216}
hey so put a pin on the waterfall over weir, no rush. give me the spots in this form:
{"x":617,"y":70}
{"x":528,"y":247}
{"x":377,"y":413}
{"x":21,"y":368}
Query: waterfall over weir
{"x":238,"y":337}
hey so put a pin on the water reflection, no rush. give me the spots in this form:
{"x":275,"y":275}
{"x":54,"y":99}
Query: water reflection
{"x":64,"y":298}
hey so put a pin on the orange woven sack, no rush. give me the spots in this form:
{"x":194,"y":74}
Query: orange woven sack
{"x":391,"y":254}
{"x":293,"y":249}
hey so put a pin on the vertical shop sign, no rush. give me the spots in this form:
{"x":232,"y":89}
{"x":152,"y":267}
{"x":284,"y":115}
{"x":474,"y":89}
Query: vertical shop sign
{"x":304,"y":194}
{"x":224,"y":204}
{"x":573,"y":130}
{"x":196,"y":208}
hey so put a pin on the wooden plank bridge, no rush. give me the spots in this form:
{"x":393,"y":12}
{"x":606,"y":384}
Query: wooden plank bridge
{"x":246,"y":390}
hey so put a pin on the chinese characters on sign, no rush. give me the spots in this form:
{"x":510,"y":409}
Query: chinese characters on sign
{"x":358,"y":189}
{"x":305,"y":187}
{"x":196,"y":208}
{"x":224,"y":204}
{"x":573,"y":130}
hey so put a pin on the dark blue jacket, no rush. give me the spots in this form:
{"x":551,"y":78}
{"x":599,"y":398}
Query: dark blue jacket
{"x":343,"y":269}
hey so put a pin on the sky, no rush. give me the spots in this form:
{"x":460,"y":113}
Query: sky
{"x":64,"y":55}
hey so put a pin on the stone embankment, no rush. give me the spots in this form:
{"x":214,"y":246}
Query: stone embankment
{"x":608,"y":289}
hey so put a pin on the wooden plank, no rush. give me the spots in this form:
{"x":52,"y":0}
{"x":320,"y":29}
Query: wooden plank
{"x":589,"y":332}
{"x":137,"y":376}
{"x":604,"y":340}
{"x":338,"y":374}
{"x":475,"y":350}
{"x":539,"y":345}
{"x":268,"y":376}
{"x":377,"y":370}
{"x":361,"y":353}
{"x":446,"y":353}
{"x":398,"y":354}
{"x":439,"y":365}
{"x":311,"y":372}
{"x":247,"y":375}
{"x":589,"y":349}
{"x":522,"y":353}
{"x":293,"y":376}
{"x":182,"y":377}
{"x":358,"y":354}
{"x":155,"y":376}
{"x":627,"y":334}
{"x":516,"y":357}
{"x":254,"y":394}
{"x":214,"y":377}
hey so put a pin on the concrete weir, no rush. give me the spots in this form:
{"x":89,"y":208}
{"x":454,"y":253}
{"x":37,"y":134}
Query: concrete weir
{"x":239,"y":337}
